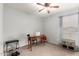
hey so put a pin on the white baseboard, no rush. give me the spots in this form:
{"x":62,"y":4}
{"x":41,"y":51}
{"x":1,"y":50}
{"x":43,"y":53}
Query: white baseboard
{"x":54,"y":43}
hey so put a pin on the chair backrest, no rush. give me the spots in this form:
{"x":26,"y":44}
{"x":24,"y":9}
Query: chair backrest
{"x":28,"y":36}
{"x":43,"y":37}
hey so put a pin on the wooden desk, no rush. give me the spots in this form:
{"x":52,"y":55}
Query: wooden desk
{"x":32,"y":40}
{"x":42,"y":39}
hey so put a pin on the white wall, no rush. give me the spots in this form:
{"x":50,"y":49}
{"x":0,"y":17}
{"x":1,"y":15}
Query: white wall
{"x":17,"y":24}
{"x":1,"y":19}
{"x":52,"y":26}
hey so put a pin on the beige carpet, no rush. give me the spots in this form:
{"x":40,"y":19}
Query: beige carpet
{"x":47,"y":50}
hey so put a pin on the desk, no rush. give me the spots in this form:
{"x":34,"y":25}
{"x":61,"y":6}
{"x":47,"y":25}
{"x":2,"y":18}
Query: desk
{"x":32,"y":40}
{"x":42,"y":39}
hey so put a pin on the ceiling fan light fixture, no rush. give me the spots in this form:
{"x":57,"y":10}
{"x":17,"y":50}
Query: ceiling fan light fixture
{"x":47,"y":6}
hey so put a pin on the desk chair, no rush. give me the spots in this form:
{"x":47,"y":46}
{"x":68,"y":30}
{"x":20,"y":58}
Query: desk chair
{"x":43,"y":39}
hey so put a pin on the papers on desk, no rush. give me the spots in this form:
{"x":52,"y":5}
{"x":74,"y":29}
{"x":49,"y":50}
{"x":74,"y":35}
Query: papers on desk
{"x":37,"y":33}
{"x":34,"y":34}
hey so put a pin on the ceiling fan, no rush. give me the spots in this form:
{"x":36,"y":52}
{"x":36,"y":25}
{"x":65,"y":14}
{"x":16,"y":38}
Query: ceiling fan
{"x":47,"y":5}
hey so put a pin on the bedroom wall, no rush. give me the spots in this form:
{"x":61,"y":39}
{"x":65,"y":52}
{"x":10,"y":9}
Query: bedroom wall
{"x":52,"y":25}
{"x":17,"y":24}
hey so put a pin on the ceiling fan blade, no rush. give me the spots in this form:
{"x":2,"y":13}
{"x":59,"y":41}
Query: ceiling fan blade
{"x":41,"y":9}
{"x":54,"y":6}
{"x":47,"y":4}
{"x":40,"y":4}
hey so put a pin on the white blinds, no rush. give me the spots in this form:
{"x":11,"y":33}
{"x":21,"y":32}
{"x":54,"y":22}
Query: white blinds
{"x":70,"y":27}
{"x":70,"y":21}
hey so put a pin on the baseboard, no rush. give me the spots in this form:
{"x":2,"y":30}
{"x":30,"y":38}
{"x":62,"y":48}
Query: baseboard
{"x":56,"y":44}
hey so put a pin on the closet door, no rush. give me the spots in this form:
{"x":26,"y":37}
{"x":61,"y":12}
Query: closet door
{"x":70,"y":27}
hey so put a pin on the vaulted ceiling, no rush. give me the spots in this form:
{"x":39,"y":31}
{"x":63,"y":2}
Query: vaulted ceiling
{"x":33,"y":8}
